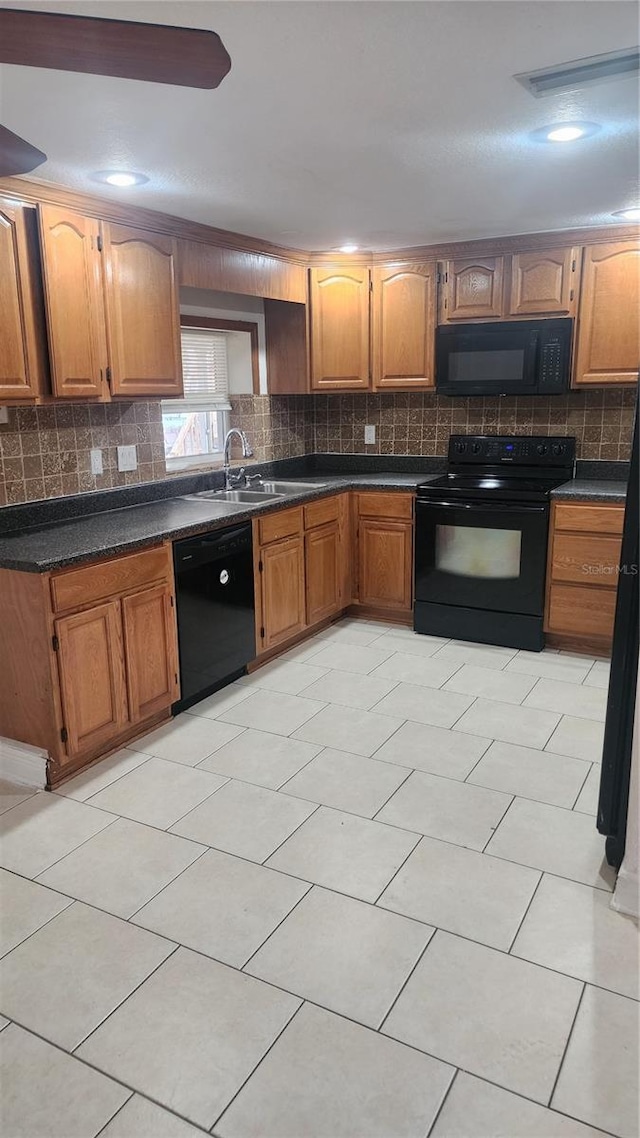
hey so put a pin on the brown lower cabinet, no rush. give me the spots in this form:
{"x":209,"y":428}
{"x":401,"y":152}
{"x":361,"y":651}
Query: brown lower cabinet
{"x":582,"y":574}
{"x":384,"y":543}
{"x":91,"y":655}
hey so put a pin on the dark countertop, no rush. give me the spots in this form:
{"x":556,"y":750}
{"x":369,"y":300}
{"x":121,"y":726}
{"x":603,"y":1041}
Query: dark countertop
{"x":591,"y":490}
{"x":78,"y":539}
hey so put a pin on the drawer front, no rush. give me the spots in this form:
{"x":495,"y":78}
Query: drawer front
{"x":585,"y":559}
{"x":381,"y":505}
{"x":319,"y":513}
{"x":585,"y":518}
{"x":582,"y":611}
{"x":276,"y":526}
{"x":90,"y":583}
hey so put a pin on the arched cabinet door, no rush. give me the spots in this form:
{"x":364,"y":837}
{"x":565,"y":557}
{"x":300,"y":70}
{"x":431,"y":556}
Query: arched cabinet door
{"x":339,"y":328}
{"x":23,"y":367}
{"x":608,"y":344}
{"x":143,"y":314}
{"x":473,"y":289}
{"x":544,"y":282}
{"x":74,"y":297}
{"x":404,"y":317}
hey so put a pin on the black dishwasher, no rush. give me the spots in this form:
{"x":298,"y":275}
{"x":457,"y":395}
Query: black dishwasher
{"x":216,"y":610}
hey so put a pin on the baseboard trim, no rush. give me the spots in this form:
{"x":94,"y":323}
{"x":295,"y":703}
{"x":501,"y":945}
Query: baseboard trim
{"x":23,"y":764}
{"x":626,"y":898}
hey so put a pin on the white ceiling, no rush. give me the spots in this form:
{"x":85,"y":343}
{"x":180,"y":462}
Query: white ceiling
{"x":388,"y":123}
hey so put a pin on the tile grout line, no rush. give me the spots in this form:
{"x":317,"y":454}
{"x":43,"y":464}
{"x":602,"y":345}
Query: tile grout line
{"x":113,"y":1116}
{"x":261,"y":1060}
{"x":130,"y":918}
{"x":582,"y":786}
{"x":377,"y":904}
{"x":523,"y":919}
{"x":444,"y":1099}
{"x":568,"y":1040}
{"x":273,"y":931}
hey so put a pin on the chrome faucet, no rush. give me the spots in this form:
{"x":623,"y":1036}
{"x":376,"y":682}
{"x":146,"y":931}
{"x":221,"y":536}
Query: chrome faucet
{"x":231,"y":480}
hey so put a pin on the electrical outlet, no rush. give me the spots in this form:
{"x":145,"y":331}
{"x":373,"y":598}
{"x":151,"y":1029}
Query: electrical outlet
{"x":127,"y":458}
{"x":369,"y":434}
{"x":96,"y":461}
{"x":4,"y":414}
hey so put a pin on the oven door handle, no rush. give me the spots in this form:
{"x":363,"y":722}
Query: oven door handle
{"x":487,"y":508}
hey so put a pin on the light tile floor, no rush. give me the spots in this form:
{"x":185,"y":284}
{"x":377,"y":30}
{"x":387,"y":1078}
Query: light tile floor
{"x":358,"y":894}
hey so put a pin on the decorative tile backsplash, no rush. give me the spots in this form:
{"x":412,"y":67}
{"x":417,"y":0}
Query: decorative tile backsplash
{"x":45,"y":451}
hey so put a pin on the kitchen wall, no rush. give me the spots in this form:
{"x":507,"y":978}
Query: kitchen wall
{"x":44,"y":451}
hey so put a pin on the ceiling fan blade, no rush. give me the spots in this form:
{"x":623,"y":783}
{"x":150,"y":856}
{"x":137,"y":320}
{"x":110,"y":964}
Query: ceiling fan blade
{"x":157,"y":53}
{"x":16,"y":155}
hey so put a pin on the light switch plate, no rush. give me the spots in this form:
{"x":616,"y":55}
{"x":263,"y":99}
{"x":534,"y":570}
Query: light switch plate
{"x":127,"y":458}
{"x":96,"y":461}
{"x":369,"y":434}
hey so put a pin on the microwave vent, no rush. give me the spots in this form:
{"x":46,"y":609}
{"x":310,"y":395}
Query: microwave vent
{"x":581,"y":72}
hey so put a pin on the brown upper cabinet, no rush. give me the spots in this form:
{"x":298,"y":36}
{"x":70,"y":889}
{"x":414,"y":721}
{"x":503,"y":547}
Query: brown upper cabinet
{"x":143,"y":312}
{"x":23,"y":363}
{"x":473,"y":289}
{"x":74,"y":295}
{"x":339,"y":299}
{"x":373,"y":330}
{"x":112,"y":308}
{"x":608,"y":340}
{"x":403,"y":326}
{"x":544,"y":283}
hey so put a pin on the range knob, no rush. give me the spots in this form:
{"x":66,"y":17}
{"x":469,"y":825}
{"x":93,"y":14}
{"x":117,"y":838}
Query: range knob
{"x":476,"y":448}
{"x":542,"y":448}
{"x":558,"y":448}
{"x":460,"y":447}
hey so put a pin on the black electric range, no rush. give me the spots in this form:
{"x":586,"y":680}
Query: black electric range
{"x":481,"y":538}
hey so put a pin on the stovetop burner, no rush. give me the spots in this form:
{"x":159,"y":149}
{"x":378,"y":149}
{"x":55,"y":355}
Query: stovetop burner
{"x":503,"y":467}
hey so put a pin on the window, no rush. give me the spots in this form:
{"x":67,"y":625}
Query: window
{"x":194,"y":427}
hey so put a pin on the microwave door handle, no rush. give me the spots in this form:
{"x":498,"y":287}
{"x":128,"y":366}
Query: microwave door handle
{"x":492,"y":508}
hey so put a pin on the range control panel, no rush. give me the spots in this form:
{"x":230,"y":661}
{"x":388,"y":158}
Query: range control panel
{"x":514,"y":450}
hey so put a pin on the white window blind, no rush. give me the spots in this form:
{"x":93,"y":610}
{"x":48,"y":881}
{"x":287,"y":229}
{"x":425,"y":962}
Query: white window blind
{"x":205,"y":370}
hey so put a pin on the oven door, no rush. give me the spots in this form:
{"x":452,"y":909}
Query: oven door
{"x":481,"y":555}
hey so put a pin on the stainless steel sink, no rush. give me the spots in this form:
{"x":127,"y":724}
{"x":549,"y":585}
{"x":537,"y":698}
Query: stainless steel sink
{"x":286,"y":487}
{"x":231,"y":496}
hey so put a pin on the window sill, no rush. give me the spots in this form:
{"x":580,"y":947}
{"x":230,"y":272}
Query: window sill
{"x":194,"y":462}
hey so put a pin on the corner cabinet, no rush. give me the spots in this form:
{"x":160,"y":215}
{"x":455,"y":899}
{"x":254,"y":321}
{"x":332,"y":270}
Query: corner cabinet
{"x":23,"y":362}
{"x":93,"y":656}
{"x":403,"y":326}
{"x":608,"y":337}
{"x":339,"y":302}
{"x":112,"y":308}
{"x":143,"y":312}
{"x":384,"y":540}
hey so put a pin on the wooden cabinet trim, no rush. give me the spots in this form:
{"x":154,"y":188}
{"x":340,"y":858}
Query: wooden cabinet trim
{"x":87,"y":584}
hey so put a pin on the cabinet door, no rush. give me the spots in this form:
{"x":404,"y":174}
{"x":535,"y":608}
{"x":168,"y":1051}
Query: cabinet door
{"x":74,"y":296}
{"x":544,"y":282}
{"x":142,"y":312}
{"x":323,"y":570}
{"x":608,"y":346}
{"x":22,"y":357}
{"x":282,"y":575}
{"x":92,"y":683}
{"x":150,"y":651}
{"x":339,"y":328}
{"x":473,"y":289}
{"x":404,"y":318}
{"x":385,"y":564}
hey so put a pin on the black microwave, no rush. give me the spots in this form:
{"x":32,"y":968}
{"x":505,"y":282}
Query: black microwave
{"x":518,"y":357}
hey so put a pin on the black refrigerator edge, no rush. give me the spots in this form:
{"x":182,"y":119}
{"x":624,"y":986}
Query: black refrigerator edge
{"x":613,"y":800}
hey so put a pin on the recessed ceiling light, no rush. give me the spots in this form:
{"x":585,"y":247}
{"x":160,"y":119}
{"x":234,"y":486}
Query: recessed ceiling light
{"x":349,"y":248}
{"x":120,"y":178}
{"x":631,"y":214}
{"x":566,"y":132}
